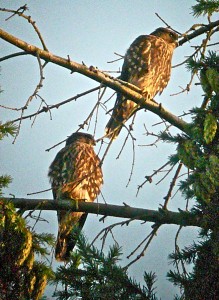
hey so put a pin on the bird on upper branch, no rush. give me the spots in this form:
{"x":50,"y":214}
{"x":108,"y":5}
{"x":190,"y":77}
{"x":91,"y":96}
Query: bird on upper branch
{"x":147,"y":64}
{"x":75,"y":174}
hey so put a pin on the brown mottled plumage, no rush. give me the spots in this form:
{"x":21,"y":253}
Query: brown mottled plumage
{"x":76,"y":174}
{"x":147,"y":65}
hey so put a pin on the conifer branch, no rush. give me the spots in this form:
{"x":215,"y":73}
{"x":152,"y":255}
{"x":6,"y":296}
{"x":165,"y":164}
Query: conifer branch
{"x":126,"y":89}
{"x":160,"y":216}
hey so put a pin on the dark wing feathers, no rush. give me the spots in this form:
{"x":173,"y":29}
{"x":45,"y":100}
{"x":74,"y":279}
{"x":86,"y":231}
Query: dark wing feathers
{"x":134,"y":62}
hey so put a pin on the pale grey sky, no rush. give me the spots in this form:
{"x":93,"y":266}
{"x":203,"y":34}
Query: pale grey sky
{"x":91,"y":31}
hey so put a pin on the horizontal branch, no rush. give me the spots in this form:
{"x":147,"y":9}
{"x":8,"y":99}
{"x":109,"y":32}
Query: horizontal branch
{"x":182,"y":218}
{"x":98,"y":76}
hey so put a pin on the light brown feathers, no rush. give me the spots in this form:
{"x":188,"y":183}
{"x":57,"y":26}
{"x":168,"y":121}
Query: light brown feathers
{"x":76,"y":174}
{"x":147,"y":65}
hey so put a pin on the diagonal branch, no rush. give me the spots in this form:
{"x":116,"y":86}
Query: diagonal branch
{"x":172,"y":185}
{"x":149,"y":239}
{"x":160,"y":216}
{"x":204,"y":28}
{"x":57,"y":105}
{"x":99,"y":76}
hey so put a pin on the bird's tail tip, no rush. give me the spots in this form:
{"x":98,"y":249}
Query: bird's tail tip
{"x":112,"y":129}
{"x":110,"y":134}
{"x":61,"y":251}
{"x":64,"y":246}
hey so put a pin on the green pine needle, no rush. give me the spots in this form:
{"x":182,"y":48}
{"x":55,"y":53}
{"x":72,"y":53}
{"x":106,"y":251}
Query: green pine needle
{"x":205,"y":7}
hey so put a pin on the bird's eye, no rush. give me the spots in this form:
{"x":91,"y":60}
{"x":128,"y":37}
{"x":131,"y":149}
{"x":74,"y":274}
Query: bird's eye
{"x":172,"y":35}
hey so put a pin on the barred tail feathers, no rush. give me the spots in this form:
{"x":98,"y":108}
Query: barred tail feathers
{"x":121,"y":113}
{"x":69,"y":230}
{"x":63,"y":248}
{"x":113,"y":128}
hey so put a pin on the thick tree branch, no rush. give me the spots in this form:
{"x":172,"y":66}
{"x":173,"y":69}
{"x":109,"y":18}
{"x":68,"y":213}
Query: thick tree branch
{"x":182,"y":218}
{"x":99,"y":76}
{"x":196,"y":33}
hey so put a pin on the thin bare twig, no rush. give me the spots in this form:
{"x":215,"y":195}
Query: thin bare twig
{"x":40,"y":192}
{"x":149,"y":238}
{"x":54,"y":146}
{"x":88,"y":119}
{"x":213,"y":44}
{"x":100,"y":96}
{"x":13,"y":55}
{"x":188,"y":86}
{"x":154,"y":135}
{"x":111,"y":72}
{"x":177,"y":251}
{"x":19,"y":12}
{"x":167,"y":173}
{"x":120,"y":57}
{"x":10,"y":108}
{"x":38,"y":87}
{"x":182,"y":115}
{"x":57,"y":105}
{"x":107,"y":100}
{"x":133,"y":162}
{"x":107,"y":229}
{"x":106,"y":151}
{"x":188,"y":58}
{"x":166,"y":23}
{"x":172,"y":184}
{"x":149,"y":178}
{"x":46,"y":107}
{"x":126,"y":138}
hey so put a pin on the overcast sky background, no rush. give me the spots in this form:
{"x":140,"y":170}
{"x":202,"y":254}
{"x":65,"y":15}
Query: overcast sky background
{"x":91,"y":31}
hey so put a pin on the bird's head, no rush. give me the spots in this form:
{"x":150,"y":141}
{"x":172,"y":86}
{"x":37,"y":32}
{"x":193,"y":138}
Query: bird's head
{"x":167,"y":35}
{"x":80,"y":137}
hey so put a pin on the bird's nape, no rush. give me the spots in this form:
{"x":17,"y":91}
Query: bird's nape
{"x":81,"y":137}
{"x":167,"y":34}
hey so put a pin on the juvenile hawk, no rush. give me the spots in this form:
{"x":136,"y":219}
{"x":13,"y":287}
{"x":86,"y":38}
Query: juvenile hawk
{"x":147,"y":65}
{"x":76,"y":174}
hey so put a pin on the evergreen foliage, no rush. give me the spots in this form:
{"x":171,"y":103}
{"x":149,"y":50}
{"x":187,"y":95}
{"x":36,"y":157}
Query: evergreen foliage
{"x":21,"y":276}
{"x":5,"y":130}
{"x":199,"y":152}
{"x":92,"y":275}
{"x":205,"y":7}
